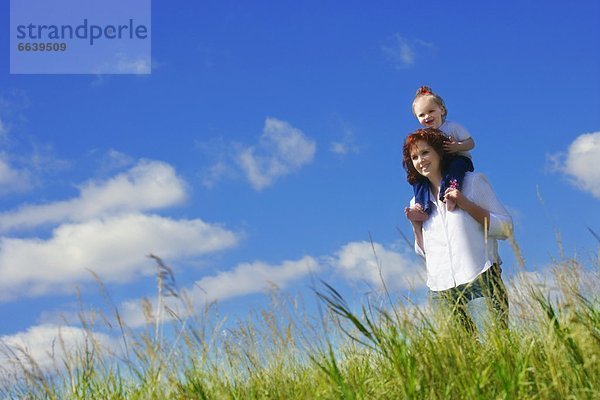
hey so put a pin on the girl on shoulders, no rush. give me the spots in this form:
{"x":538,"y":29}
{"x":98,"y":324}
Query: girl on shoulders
{"x":430,"y":110}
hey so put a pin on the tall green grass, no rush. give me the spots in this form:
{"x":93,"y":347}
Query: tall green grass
{"x":382,"y":350}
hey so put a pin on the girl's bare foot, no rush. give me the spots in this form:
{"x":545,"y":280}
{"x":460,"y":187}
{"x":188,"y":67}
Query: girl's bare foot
{"x":416,"y":214}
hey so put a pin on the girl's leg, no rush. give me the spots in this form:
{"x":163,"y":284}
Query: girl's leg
{"x":422,"y":198}
{"x":455,"y":174}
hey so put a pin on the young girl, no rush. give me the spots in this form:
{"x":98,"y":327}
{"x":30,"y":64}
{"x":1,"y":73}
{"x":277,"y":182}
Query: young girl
{"x":430,"y":110}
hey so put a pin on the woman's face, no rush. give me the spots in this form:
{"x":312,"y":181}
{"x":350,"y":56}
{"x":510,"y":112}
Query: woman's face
{"x":425,"y":160}
{"x":428,"y":112}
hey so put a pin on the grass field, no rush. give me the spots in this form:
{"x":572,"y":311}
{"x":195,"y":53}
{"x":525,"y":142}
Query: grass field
{"x":385,"y":350}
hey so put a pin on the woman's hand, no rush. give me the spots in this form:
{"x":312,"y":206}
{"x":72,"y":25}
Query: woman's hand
{"x":480,"y":214}
{"x":455,"y":196}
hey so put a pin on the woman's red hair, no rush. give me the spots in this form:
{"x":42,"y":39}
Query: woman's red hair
{"x":435,"y":138}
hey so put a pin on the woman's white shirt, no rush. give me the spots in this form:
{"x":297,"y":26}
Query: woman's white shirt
{"x":455,"y":247}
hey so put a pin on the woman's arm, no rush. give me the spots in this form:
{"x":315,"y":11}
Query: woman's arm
{"x":482,"y":204}
{"x":479,"y":213}
{"x":418,"y":232}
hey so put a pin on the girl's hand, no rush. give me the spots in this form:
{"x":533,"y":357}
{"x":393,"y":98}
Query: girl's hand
{"x":451,"y":147}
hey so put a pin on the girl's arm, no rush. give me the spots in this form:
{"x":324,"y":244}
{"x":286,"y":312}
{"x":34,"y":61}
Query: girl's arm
{"x":463,"y":145}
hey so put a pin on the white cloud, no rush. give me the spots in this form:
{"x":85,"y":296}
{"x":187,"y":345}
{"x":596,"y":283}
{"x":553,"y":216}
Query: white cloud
{"x":282,"y":150}
{"x":113,"y":247}
{"x":244,"y":279}
{"x":402,"y":52}
{"x":47,"y":346}
{"x":254,"y":277}
{"x":578,"y":163}
{"x":361,"y":261}
{"x":148,"y":185}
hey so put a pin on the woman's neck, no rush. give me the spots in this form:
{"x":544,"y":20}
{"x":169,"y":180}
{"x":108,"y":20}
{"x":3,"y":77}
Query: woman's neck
{"x":435,"y":182}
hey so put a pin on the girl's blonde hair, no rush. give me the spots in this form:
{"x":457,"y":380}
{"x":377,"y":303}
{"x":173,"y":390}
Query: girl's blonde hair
{"x":426,"y":91}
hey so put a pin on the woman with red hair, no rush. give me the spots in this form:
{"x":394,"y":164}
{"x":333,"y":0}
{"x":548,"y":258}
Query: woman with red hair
{"x":460,"y":245}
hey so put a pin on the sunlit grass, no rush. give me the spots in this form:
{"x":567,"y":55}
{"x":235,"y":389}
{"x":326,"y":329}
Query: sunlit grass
{"x":396,"y":351}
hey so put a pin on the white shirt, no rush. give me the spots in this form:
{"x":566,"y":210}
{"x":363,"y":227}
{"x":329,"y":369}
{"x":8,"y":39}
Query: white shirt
{"x":458,"y":133}
{"x":456,"y":249}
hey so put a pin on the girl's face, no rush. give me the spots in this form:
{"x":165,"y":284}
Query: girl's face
{"x":426,"y":160}
{"x":428,"y":112}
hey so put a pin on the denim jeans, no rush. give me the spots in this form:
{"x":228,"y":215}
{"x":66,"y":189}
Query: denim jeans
{"x":478,"y":303}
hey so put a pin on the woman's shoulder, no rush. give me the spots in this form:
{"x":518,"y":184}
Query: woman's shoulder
{"x":474,"y":175}
{"x":475,"y":178}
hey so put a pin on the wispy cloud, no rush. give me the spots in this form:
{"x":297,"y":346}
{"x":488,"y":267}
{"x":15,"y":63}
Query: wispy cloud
{"x":114,"y":160}
{"x":122,"y":63}
{"x":148,"y":185}
{"x":13,"y":179}
{"x":138,"y":66}
{"x":242,"y":280}
{"x":372,"y":263}
{"x":281,"y":150}
{"x":25,"y":161}
{"x":222,"y":156}
{"x":141,"y":67}
{"x":247,"y":278}
{"x":578,"y":161}
{"x":403,"y":52}
{"x":215,"y":173}
{"x":113,"y":247}
{"x":345,"y":145}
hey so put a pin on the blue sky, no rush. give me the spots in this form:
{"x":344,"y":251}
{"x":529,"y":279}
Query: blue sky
{"x":265,"y":147}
